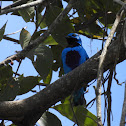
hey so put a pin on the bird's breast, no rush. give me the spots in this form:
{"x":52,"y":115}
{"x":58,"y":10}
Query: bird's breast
{"x":72,"y":59}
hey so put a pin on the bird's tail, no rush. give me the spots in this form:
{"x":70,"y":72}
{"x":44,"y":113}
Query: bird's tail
{"x":78,"y":97}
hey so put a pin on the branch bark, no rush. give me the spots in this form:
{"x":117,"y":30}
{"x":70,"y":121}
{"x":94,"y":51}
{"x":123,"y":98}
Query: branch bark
{"x":122,"y":121}
{"x":101,"y":66}
{"x":33,"y":107}
{"x":20,"y":7}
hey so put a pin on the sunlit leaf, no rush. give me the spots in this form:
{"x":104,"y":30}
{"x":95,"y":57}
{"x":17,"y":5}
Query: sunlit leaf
{"x":2,"y":30}
{"x":42,"y":24}
{"x":50,"y":41}
{"x":48,"y":78}
{"x":93,"y":31}
{"x":24,"y":38}
{"x":49,"y":119}
{"x":84,"y":117}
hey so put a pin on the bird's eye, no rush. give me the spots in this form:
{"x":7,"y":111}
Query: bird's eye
{"x":74,"y":35}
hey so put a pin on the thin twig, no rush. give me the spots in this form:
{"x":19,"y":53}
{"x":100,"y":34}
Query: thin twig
{"x":42,"y":84}
{"x":10,"y":39}
{"x":76,"y":121}
{"x":15,"y":32}
{"x":93,"y":100}
{"x":119,"y":2}
{"x":16,"y":3}
{"x":124,"y":34}
{"x":40,"y":22}
{"x":36,"y":18}
{"x":31,"y":4}
{"x":18,"y":67}
{"x":9,"y":59}
{"x":109,"y":97}
{"x":16,"y":73}
{"x":101,"y":66}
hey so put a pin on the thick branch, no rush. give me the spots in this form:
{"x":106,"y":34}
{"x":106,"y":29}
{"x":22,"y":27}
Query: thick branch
{"x":34,"y":106}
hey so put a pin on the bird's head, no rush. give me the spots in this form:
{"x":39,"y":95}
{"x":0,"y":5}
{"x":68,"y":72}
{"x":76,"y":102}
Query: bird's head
{"x":73,"y":39}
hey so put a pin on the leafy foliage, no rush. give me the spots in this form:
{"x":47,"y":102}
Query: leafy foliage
{"x":28,"y":13}
{"x":87,"y":18}
{"x":49,"y":119}
{"x":83,"y":116}
{"x":2,"y":30}
{"x":27,"y":83}
{"x":43,"y":62}
{"x":8,"y":86}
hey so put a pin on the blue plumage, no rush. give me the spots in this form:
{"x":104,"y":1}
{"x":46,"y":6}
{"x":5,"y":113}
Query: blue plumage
{"x":73,"y":56}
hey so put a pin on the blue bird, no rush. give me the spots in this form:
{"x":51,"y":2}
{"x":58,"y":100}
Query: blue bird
{"x":72,"y":56}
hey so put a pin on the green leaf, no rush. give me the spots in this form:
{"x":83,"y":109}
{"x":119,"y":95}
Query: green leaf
{"x":56,"y":50}
{"x":48,"y":78}
{"x":8,"y":86}
{"x":49,"y":119}
{"x":42,"y":24}
{"x":48,"y":41}
{"x":44,"y":59}
{"x":25,"y":37}
{"x":84,"y":117}
{"x":27,"y":13}
{"x":27,"y":83}
{"x":93,"y":31}
{"x":9,"y":90}
{"x":5,"y":73}
{"x":36,"y":34}
{"x":62,"y":29}
{"x":2,"y":30}
{"x":12,"y":125}
{"x":110,"y":17}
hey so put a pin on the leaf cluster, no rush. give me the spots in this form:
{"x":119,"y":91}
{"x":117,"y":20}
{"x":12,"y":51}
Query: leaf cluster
{"x":88,"y":18}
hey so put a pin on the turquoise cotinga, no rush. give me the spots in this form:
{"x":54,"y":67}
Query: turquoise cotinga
{"x":72,"y":56}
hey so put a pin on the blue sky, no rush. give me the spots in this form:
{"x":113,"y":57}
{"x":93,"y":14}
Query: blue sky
{"x":8,"y":48}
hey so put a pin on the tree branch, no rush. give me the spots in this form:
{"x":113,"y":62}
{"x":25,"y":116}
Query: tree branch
{"x":101,"y":66}
{"x":31,"y":4}
{"x":122,"y":121}
{"x":119,"y":2}
{"x":11,"y":39}
{"x":33,"y":107}
{"x":16,"y":3}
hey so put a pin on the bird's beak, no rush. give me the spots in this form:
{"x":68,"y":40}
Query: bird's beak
{"x":67,"y":37}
